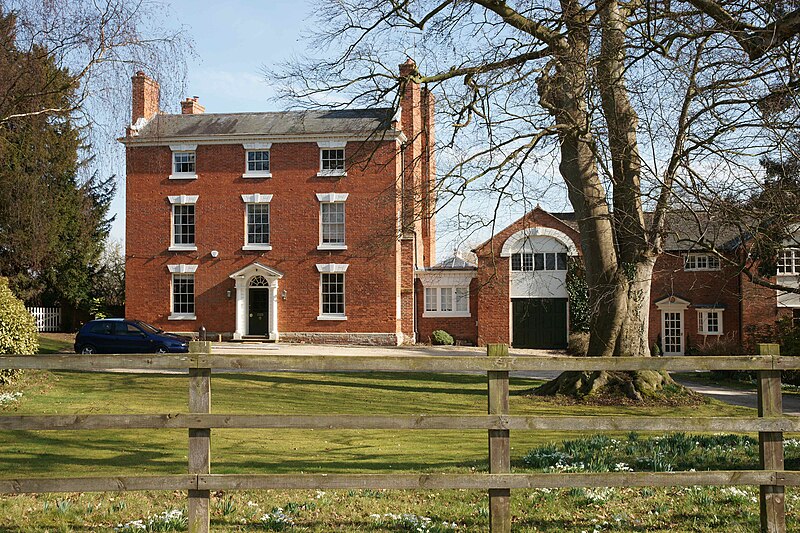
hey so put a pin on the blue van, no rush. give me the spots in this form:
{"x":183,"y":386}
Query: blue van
{"x":117,"y":335}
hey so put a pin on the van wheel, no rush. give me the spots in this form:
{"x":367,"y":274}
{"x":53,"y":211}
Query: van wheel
{"x":88,"y":349}
{"x":161,"y":349}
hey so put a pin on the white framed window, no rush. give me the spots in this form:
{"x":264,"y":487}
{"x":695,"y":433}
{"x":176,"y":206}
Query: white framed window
{"x":332,"y":158}
{"x":257,"y":221}
{"x":789,"y":261}
{"x":531,"y":261}
{"x":332,"y":291}
{"x":257,"y":160}
{"x":447,"y":301}
{"x":182,"y":292}
{"x":431,"y":299}
{"x":700,"y":262}
{"x":184,"y":162}
{"x":182,"y":232}
{"x":332,"y":221}
{"x":709,"y":321}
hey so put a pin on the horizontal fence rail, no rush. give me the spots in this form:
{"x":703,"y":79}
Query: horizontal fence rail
{"x":380,"y":363}
{"x":400,"y":481}
{"x":199,"y":482}
{"x":393,"y":422}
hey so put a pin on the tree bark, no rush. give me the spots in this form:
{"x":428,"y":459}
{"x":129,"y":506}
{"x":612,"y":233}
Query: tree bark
{"x":617,"y":255}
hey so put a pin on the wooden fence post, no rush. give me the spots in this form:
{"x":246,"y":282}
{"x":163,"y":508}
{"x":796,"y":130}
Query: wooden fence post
{"x":770,"y":446}
{"x":199,"y":440}
{"x":499,"y":445}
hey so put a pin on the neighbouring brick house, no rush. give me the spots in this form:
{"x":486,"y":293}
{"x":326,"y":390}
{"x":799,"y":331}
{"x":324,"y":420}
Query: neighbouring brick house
{"x":519,"y":292}
{"x":298,"y":225}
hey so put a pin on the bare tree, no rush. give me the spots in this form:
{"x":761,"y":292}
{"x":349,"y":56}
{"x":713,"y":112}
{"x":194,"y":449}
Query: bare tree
{"x":100,"y":44}
{"x":639,"y":102}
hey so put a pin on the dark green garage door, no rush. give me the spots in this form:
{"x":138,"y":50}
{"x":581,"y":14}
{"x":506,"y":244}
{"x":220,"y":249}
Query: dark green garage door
{"x":540,"y":323}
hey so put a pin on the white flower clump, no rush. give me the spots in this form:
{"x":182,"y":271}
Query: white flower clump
{"x":561,"y":466}
{"x":277,"y":518}
{"x":600,"y":495}
{"x":135,"y":525}
{"x":622,"y":467}
{"x":735,"y":493}
{"x":165,"y":521}
{"x":9,"y":397}
{"x":788,"y":443}
{"x":412,"y":522}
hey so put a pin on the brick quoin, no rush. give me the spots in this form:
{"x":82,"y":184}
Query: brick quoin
{"x":379,"y":280}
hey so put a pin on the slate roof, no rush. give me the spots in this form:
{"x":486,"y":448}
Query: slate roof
{"x":281,"y":123}
{"x":454,"y":263}
{"x":683,"y":229}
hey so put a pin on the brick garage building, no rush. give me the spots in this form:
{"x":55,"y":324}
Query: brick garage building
{"x":521,"y":296}
{"x":304,"y":226}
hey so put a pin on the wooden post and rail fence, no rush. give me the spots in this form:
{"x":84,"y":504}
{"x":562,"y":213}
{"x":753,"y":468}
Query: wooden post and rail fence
{"x":498,"y":482}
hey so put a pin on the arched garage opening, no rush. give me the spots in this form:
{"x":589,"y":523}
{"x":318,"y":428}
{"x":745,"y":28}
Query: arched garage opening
{"x":538,"y":259}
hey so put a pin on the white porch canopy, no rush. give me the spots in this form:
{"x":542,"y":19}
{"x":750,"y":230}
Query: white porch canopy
{"x":242,"y":278}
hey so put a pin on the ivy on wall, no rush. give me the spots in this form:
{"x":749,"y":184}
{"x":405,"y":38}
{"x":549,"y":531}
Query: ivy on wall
{"x":578,"y":292}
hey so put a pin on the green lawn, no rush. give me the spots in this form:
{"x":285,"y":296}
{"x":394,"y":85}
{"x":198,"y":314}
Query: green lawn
{"x":54,"y":344}
{"x":138,"y":452}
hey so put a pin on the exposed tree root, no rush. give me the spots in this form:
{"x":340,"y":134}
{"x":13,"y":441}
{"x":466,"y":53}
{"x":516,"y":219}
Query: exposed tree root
{"x":636,"y":385}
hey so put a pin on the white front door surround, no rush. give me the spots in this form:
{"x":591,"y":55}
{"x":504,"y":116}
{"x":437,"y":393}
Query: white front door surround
{"x":672,"y":324}
{"x":242,"y":281}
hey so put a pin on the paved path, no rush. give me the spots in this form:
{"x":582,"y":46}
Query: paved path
{"x":743,"y":398}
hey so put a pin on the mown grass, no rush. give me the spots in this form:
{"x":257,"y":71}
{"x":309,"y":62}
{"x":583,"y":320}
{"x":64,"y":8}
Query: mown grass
{"x":141,"y":452}
{"x":49,"y":344}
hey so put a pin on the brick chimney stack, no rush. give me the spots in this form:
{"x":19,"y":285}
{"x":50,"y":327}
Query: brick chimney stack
{"x":419,"y":174}
{"x":144,"y":97}
{"x":191,"y":106}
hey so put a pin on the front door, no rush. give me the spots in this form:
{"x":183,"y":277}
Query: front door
{"x":539,"y":323}
{"x":672,"y":332}
{"x":259,"y":305}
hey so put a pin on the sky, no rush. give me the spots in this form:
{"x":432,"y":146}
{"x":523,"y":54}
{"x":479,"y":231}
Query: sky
{"x":234,"y":41}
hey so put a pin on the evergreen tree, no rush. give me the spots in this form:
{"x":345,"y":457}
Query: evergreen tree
{"x":52,"y":223}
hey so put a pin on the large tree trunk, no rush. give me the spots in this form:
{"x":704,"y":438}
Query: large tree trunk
{"x":617,"y":255}
{"x":632,"y":294}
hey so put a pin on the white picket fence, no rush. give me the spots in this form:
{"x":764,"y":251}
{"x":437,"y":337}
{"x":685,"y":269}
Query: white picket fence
{"x":47,"y":318}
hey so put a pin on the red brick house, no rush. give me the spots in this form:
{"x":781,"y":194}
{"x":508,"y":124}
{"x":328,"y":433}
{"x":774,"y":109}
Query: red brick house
{"x":520,"y":293}
{"x":317,"y":226}
{"x":299,"y":225}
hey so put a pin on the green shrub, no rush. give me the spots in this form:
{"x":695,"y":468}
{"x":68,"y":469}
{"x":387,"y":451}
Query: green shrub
{"x":578,"y":344}
{"x":578,"y":292}
{"x":17,"y":329}
{"x":440,"y":336}
{"x":724,"y":346}
{"x":655,"y":350}
{"x":719,"y":346}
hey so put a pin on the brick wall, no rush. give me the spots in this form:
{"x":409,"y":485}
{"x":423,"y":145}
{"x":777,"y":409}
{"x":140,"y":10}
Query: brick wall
{"x":699,"y":288}
{"x":463,"y":329}
{"x":371,"y":211}
{"x":759,"y":311}
{"x":494,"y":304}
